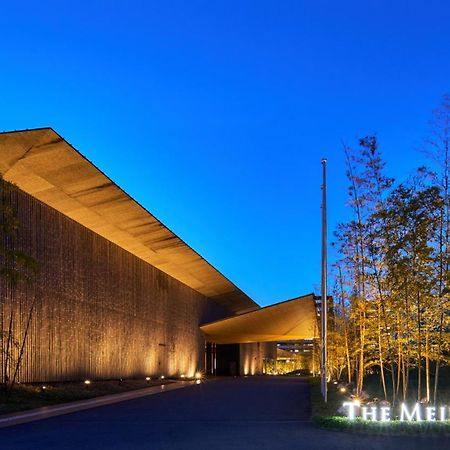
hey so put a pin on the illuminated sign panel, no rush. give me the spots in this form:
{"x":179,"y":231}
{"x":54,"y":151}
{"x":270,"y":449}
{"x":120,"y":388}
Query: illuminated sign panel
{"x":418,"y":413}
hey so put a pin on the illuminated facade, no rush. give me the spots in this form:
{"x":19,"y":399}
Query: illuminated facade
{"x":118,"y":294}
{"x":100,"y":312}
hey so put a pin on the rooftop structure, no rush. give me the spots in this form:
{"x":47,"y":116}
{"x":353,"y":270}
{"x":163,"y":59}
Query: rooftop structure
{"x":43,"y":164}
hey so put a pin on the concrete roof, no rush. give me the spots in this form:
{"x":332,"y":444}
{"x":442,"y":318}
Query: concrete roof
{"x":43,"y":164}
{"x":286,"y":321}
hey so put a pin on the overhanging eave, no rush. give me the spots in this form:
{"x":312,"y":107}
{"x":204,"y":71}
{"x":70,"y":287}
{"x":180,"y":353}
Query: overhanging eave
{"x":42,"y":164}
{"x":294,"y":319}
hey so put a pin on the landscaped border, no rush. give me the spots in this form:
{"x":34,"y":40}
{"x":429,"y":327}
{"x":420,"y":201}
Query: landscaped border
{"x":393,"y":427}
{"x":323,"y":416}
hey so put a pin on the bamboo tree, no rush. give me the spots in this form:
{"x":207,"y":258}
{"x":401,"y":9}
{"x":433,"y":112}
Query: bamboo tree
{"x":412,"y":211}
{"x":368,"y":188}
{"x":15,"y":267}
{"x":344,"y":322}
{"x":395,"y":257}
{"x":437,"y":148}
{"x":357,"y":227}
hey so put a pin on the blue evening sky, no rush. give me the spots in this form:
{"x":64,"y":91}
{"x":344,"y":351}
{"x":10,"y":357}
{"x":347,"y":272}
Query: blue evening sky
{"x":215,"y":114}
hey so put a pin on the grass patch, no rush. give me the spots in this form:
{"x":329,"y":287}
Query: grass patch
{"x":318,"y":407}
{"x":394,"y":427}
{"x":30,"y":396}
{"x":324,"y":415}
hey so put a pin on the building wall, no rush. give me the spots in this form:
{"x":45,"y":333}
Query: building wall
{"x":252,"y":356}
{"x":99,"y":311}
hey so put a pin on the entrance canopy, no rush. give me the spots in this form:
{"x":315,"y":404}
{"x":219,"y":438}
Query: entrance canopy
{"x":290,"y":320}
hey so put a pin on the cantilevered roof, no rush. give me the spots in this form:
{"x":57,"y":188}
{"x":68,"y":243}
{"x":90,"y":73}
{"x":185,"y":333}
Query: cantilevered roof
{"x":43,"y":164}
{"x":290,"y":320}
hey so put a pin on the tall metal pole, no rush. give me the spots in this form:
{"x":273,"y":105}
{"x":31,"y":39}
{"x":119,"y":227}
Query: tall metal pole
{"x":324,"y":309}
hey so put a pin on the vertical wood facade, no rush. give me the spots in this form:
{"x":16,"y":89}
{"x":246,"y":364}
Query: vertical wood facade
{"x":100,"y":312}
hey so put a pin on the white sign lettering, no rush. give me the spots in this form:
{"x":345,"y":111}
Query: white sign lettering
{"x":385,"y":414}
{"x":404,"y":413}
{"x":372,"y":413}
{"x":351,"y":409}
{"x":430,"y":414}
{"x":418,"y":413}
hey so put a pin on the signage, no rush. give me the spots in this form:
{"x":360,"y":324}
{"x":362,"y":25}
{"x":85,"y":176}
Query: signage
{"x":418,"y":413}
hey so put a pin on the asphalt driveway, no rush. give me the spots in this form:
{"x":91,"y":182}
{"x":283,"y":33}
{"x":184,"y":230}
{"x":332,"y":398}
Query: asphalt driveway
{"x":235,"y":413}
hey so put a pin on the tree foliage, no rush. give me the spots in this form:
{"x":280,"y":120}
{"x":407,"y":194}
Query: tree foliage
{"x":16,"y":266}
{"x":392,"y":290}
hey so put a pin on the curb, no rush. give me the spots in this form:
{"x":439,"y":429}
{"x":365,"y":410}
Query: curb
{"x":46,"y":412}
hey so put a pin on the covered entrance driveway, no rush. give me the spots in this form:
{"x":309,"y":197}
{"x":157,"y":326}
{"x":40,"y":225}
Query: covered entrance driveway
{"x":257,"y":332}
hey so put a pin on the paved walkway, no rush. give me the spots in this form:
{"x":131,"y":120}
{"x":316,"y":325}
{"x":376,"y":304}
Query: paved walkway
{"x":244,"y":413}
{"x":45,"y":412}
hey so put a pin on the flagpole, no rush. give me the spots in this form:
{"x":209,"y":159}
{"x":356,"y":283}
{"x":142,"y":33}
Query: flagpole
{"x":324,"y":309}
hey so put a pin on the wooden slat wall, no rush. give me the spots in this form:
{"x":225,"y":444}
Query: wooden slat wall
{"x":101,"y":312}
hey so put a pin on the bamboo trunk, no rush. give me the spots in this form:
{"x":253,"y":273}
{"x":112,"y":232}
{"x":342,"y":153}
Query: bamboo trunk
{"x":427,"y":365}
{"x":436,"y":382}
{"x":419,"y":350}
{"x":380,"y":351}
